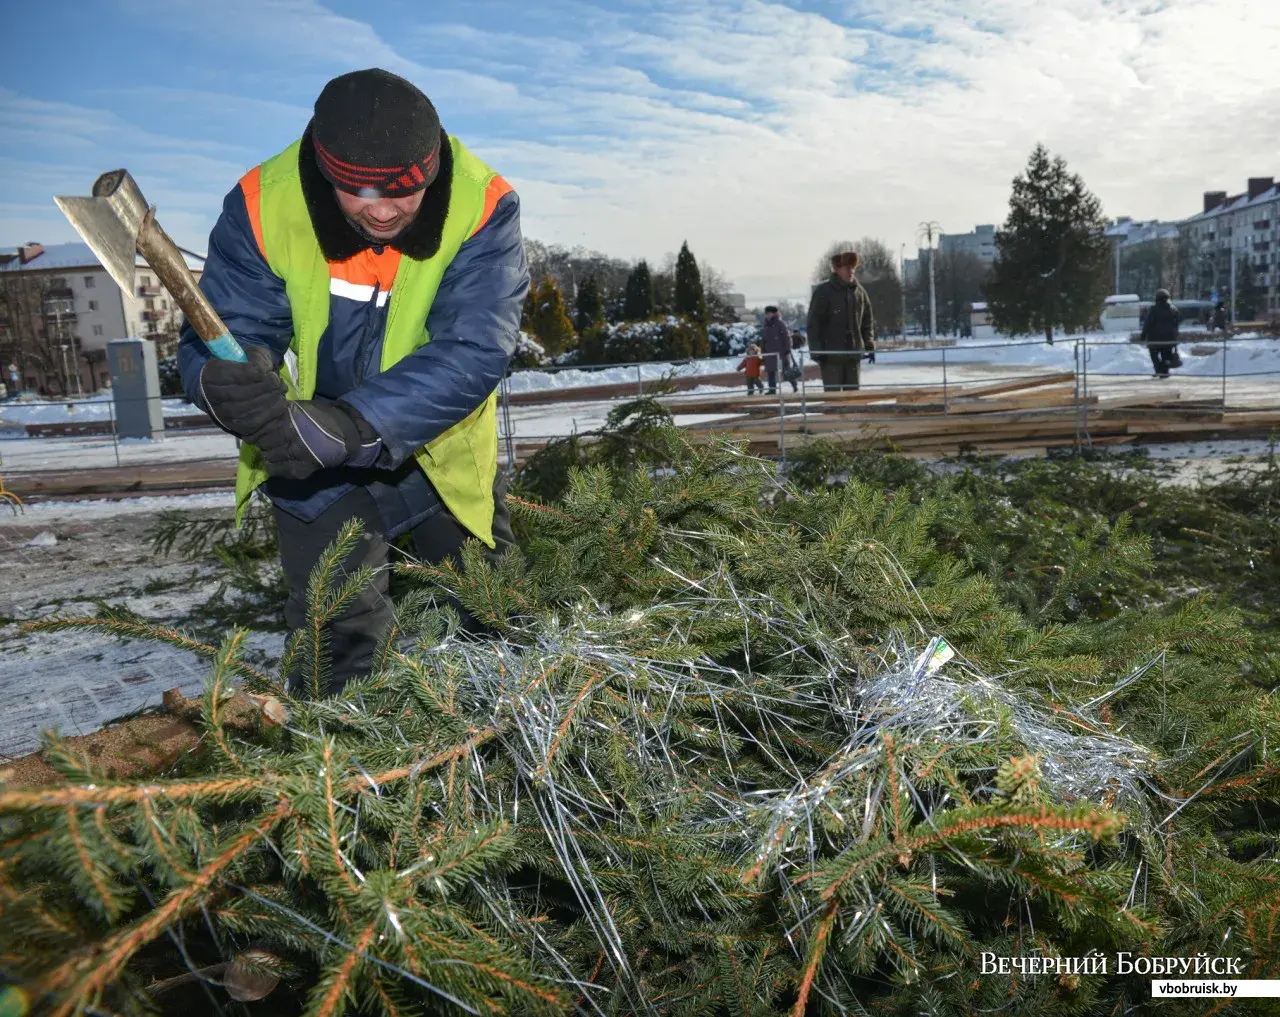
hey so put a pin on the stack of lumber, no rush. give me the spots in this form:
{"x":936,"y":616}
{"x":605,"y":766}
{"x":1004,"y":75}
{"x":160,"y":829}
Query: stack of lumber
{"x":1014,"y":417}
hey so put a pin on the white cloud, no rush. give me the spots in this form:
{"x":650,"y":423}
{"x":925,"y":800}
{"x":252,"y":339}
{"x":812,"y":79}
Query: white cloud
{"x":759,"y":132}
{"x":849,"y":131}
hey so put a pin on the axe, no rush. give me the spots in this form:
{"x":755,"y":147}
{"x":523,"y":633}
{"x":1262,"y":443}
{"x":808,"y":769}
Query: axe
{"x":117,"y":223}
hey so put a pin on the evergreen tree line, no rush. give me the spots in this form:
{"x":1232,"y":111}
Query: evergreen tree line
{"x":577,"y":295}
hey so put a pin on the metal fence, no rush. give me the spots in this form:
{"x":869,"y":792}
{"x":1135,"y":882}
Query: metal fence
{"x":947,"y":367}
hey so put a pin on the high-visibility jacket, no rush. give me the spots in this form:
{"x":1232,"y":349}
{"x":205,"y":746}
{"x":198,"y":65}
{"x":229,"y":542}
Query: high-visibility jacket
{"x":461,"y":462}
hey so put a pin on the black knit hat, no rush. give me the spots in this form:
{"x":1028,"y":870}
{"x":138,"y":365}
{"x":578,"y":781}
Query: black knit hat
{"x":376,"y":135}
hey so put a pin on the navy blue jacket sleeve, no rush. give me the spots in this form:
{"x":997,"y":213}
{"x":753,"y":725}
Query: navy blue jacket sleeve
{"x":247,"y":295}
{"x":474,"y":324}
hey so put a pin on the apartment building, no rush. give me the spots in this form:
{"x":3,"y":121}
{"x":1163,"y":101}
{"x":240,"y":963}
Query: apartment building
{"x":980,"y":242}
{"x":1144,"y":256}
{"x":1244,"y":228}
{"x":59,"y":308}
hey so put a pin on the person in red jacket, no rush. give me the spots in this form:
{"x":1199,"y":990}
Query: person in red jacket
{"x":753,"y":364}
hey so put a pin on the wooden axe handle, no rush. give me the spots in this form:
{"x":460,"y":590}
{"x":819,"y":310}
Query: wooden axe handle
{"x":162,"y":254}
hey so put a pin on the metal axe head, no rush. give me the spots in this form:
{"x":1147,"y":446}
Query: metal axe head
{"x":109,"y":222}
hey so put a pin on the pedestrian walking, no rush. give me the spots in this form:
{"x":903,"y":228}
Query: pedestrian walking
{"x":1160,"y":333}
{"x":775,"y":341}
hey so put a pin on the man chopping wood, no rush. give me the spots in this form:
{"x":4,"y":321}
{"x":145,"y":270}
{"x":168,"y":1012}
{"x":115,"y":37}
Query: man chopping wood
{"x":841,"y":323}
{"x":374,"y":272}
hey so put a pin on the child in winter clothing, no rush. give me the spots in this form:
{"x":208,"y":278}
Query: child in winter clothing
{"x":753,"y":364}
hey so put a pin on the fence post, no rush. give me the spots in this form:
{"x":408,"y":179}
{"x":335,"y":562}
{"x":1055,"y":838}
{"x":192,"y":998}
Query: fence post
{"x":1224,"y":372}
{"x":804,"y":408}
{"x":944,"y":381}
{"x":1076,"y":389}
{"x":506,"y":424}
{"x":1084,"y":388}
{"x":639,"y":382}
{"x":111,"y":417}
{"x":782,"y":408}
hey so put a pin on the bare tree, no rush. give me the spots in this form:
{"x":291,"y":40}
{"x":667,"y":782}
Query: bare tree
{"x":31,"y":335}
{"x":878,"y":273}
{"x":958,"y":282}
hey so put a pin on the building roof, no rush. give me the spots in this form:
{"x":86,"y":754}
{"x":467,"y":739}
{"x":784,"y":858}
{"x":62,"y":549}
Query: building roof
{"x":58,"y":257}
{"x":1236,"y":203}
{"x":1133,"y":231}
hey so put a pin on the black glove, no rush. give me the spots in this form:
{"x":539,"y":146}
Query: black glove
{"x":242,"y":397}
{"x":305,"y":436}
{"x":871,"y":356}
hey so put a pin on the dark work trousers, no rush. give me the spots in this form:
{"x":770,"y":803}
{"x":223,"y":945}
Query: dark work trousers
{"x":1163,"y":357}
{"x":354,"y":636}
{"x":841,"y":373}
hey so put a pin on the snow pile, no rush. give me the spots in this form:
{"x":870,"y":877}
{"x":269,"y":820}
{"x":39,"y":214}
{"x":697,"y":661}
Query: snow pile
{"x":100,"y":508}
{"x":528,"y":352}
{"x":732,"y":340}
{"x":98,"y":406}
{"x":1107,"y":354}
{"x":577,"y":377}
{"x":45,"y":539}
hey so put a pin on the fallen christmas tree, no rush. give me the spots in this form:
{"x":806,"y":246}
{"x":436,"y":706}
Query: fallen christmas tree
{"x":718,"y":762}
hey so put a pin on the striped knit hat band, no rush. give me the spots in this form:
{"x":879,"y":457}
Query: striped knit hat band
{"x":376,"y":135}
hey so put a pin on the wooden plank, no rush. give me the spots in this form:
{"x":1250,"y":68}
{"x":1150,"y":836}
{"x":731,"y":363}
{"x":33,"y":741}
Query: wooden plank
{"x":1000,"y":388}
{"x":793,"y":400}
{"x":188,"y":476}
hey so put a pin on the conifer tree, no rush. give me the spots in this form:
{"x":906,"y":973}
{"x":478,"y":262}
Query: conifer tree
{"x":548,"y":321}
{"x":1052,"y":257}
{"x":589,"y":311}
{"x":690,"y":301}
{"x":638,"y":298}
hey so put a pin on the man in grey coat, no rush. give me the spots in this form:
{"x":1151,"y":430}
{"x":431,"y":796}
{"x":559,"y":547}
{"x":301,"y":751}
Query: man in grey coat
{"x":841,"y":323}
{"x":775,"y":343}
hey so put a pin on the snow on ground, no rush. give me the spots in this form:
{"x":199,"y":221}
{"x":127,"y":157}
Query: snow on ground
{"x":1114,"y":367}
{"x":32,"y":455}
{"x":98,"y":406}
{"x":43,"y":512}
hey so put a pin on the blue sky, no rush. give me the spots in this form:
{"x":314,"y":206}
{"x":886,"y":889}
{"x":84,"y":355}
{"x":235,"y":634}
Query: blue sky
{"x":758,"y":131}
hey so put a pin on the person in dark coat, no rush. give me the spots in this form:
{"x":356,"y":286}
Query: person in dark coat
{"x":1160,"y":333}
{"x":1219,"y":317}
{"x":775,"y":341}
{"x":841,"y":323}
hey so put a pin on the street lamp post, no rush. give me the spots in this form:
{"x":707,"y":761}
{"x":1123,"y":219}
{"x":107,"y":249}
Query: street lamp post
{"x":902,"y":273}
{"x":928,"y":229}
{"x":1232,"y":253}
